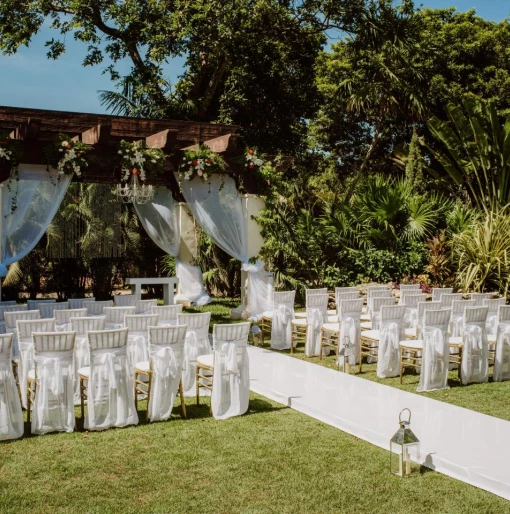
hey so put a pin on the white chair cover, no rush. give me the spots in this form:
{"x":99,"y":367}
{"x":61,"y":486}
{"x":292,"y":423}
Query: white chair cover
{"x":11,"y":318}
{"x":457,"y":319}
{"x":374,"y":309}
{"x":110,"y":395}
{"x":95,"y":308}
{"x":10,"y":308}
{"x":448,"y":299}
{"x":231,"y":376}
{"x":316,"y":315}
{"x":115,"y":316}
{"x":81,"y":346}
{"x":479,"y":298}
{"x":435,"y":355}
{"x":502,"y":359}
{"x":339,"y":290}
{"x":63,"y":318}
{"x":411,"y":301}
{"x":25,"y":329}
{"x":33,"y":305}
{"x":392,"y":332}
{"x":144,"y":306}
{"x":11,"y":416}
{"x":422,"y":308}
{"x":437,"y":292}
{"x":138,"y":345}
{"x":125,"y":300}
{"x":475,"y":348}
{"x":46,"y":309}
{"x":167,"y":314}
{"x":491,"y":325}
{"x":77,"y":303}
{"x":53,"y":408}
{"x":283,"y":314}
{"x":349,"y":317}
{"x":166,"y":349}
{"x":197,"y":343}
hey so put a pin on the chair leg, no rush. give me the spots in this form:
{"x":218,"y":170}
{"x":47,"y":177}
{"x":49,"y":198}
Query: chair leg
{"x":401,"y":365}
{"x":28,"y":402}
{"x":197,"y":383}
{"x":136,"y":392}
{"x":183,"y":403}
{"x":149,"y":390}
{"x":82,"y":400}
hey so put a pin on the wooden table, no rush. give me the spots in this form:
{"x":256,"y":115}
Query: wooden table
{"x":168,"y":286}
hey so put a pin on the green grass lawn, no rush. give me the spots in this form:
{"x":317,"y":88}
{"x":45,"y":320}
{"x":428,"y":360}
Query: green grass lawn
{"x":273,"y":459}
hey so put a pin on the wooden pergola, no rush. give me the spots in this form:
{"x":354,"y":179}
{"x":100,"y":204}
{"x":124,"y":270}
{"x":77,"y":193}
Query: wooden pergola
{"x":37,"y":128}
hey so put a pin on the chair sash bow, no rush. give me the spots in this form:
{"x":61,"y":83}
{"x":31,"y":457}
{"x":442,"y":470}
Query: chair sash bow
{"x":164,"y":362}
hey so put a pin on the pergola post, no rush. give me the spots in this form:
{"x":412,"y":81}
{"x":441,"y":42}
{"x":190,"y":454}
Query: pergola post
{"x":1,"y":232}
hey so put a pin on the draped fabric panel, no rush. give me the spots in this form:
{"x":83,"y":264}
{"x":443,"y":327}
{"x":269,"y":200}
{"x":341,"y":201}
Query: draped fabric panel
{"x":39,"y":195}
{"x":216,"y":205}
{"x":159,"y":220}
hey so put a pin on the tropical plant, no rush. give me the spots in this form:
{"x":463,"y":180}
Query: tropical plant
{"x":475,"y":152}
{"x":483,"y":254}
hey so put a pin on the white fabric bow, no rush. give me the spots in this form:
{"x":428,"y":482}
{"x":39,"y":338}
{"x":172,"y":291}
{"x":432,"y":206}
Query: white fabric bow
{"x":473,"y":337}
{"x":412,"y":318}
{"x":164,"y":362}
{"x":229,"y":350}
{"x":503,"y":334}
{"x":314,"y":318}
{"x":390,"y":333}
{"x":284,"y":314}
{"x":434,"y":337}
{"x":107,"y":373}
{"x":492,"y":324}
{"x":52,"y":371}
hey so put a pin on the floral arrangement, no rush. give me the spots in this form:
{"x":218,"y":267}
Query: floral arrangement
{"x":68,"y":156}
{"x":202,"y":163}
{"x":252,"y":159}
{"x":10,"y":157}
{"x":138,"y":159}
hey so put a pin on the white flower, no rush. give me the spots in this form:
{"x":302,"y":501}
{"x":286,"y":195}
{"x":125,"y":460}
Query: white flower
{"x":120,"y":152}
{"x":153,"y":161}
{"x":258,"y":162}
{"x":65,"y":143}
{"x":200,"y":172}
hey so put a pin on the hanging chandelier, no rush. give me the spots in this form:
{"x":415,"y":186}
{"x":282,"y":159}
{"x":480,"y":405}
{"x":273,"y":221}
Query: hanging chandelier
{"x":134,"y":192}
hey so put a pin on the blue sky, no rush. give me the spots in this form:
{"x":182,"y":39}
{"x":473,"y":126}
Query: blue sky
{"x":29,"y":79}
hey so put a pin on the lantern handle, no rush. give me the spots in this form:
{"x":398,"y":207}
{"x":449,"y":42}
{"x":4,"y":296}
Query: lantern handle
{"x":400,"y":415}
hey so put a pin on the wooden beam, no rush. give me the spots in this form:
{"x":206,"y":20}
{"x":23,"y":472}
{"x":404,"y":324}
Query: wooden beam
{"x":27,"y":130}
{"x":100,"y":134}
{"x":165,"y":140}
{"x":221,"y":144}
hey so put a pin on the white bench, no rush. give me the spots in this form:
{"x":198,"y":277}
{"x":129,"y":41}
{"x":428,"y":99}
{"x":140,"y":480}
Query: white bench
{"x":168,"y":286}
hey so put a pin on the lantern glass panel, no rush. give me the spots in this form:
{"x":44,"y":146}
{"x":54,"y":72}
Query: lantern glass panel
{"x":404,"y":459}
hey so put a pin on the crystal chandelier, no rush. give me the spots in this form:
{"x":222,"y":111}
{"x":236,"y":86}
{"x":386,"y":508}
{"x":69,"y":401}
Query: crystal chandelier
{"x":135,"y":192}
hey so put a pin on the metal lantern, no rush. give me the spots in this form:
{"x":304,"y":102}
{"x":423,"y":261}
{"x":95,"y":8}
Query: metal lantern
{"x":344,"y":355}
{"x":404,"y":450}
{"x":256,"y":336}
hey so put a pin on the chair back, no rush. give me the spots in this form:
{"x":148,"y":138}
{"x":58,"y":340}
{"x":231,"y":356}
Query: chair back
{"x":377,"y":303}
{"x":411,"y":301}
{"x":116,"y":314}
{"x":350,"y":309}
{"x":236,"y":333}
{"x":476,"y":315}
{"x":339,"y":290}
{"x":167,"y":313}
{"x":52,"y":342}
{"x":410,"y":287}
{"x":425,"y":306}
{"x":195,"y":321}
{"x":27,"y":327}
{"x":459,"y":306}
{"x":348,"y":295}
{"x":493,"y":304}
{"x":126,"y":300}
{"x":504,"y":314}
{"x":140,"y":322}
{"x":77,"y":303}
{"x":47,"y":309}
{"x":95,"y":308}
{"x":437,"y":319}
{"x":10,"y":308}
{"x":32,"y":305}
{"x":64,"y":316}
{"x":320,"y":302}
{"x":12,"y":317}
{"x":83,"y":325}
{"x":6,"y":347}
{"x":284,"y":298}
{"x":8,"y":302}
{"x":312,"y":292}
{"x":437,"y":292}
{"x":165,"y":336}
{"x":394,"y":314}
{"x":480,"y":297}
{"x":144,"y":306}
{"x":107,"y":339}
{"x":381,"y":293}
{"x":448,"y":299}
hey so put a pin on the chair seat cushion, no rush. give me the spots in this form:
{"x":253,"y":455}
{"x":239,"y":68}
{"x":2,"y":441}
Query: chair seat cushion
{"x":84,"y":372}
{"x":366,"y":325}
{"x":365,"y":317}
{"x":417,"y":344}
{"x":373,"y":335}
{"x":206,"y":360}
{"x":457,"y":340}
{"x":267,"y":314}
{"x":142,"y":366}
{"x":332,"y":327}
{"x":410,"y":333}
{"x":300,"y":315}
{"x":299,"y":321}
{"x":332,"y":312}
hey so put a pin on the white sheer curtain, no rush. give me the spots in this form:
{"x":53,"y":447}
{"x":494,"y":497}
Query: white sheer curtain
{"x":39,"y":196}
{"x":216,"y":205}
{"x":159,"y":219}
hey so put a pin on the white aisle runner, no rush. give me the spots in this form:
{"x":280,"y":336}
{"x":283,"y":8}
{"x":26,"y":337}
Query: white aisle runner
{"x":458,"y":442}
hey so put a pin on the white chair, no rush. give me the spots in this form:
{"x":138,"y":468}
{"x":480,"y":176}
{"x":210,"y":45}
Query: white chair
{"x":344,"y":336}
{"x":448,"y":299}
{"x":95,"y":308}
{"x":47,"y":309}
{"x":502,"y":351}
{"x":32,"y":305}
{"x":138,"y":346}
{"x":390,"y":333}
{"x":278,"y":320}
{"x":197,"y":343}
{"x":77,"y":303}
{"x":25,"y":329}
{"x":63,"y":318}
{"x":11,"y":317}
{"x":474,"y":366}
{"x":492,"y":316}
{"x":229,"y":364}
{"x":345,"y":295}
{"x":409,"y":287}
{"x":372,"y":289}
{"x":50,"y":384}
{"x":431,"y":353}
{"x":437,"y":292}
{"x":375,"y":310}
{"x":160,"y":377}
{"x":457,"y":319}
{"x":115,"y":316}
{"x":81,"y":346}
{"x":350,"y":289}
{"x":126,"y":300}
{"x":382,"y":293}
{"x":309,"y":330}
{"x":6,"y":303}
{"x":8,"y":308}
{"x":11,"y":415}
{"x":480,"y":297}
{"x":411,"y":301}
{"x":422,"y":308}
{"x":145,"y":306}
{"x":312,"y":292}
{"x":106,"y":384}
{"x":167,"y":314}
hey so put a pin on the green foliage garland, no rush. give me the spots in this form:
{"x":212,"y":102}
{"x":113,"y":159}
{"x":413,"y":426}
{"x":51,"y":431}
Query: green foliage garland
{"x":202,"y":163}
{"x":138,"y":159}
{"x":10,"y":157}
{"x":67,"y":156}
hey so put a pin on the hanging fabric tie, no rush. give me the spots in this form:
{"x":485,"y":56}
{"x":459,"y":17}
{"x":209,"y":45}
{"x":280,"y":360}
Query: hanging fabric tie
{"x":347,"y":341}
{"x":107,"y":375}
{"x":502,"y":358}
{"x":315,"y":321}
{"x":229,"y":350}
{"x":165,"y":363}
{"x":412,"y":318}
{"x":474,"y":366}
{"x":388,"y":352}
{"x":52,"y":371}
{"x":492,"y":324}
{"x":457,"y":326}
